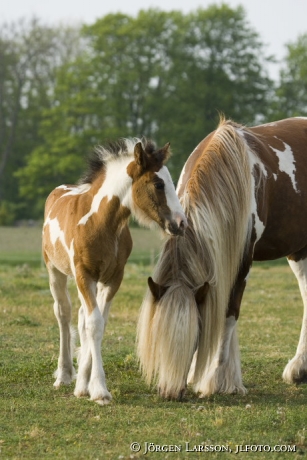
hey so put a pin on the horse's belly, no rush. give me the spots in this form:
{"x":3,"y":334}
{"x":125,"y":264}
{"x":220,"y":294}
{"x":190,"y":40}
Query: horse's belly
{"x":276,"y":248}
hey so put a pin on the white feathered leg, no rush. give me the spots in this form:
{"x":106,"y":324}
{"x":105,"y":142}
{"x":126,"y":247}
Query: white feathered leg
{"x":91,"y":375}
{"x":223,"y":375}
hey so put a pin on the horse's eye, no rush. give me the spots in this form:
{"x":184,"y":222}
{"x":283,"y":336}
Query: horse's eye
{"x":159,"y":185}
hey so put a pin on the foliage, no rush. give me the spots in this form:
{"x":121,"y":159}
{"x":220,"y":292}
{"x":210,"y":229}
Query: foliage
{"x":30,"y":53}
{"x":291,"y":95}
{"x":164,"y":75}
{"x":7,"y":212}
{"x":21,"y":246}
{"x":38,"y":421}
{"x":216,"y":67}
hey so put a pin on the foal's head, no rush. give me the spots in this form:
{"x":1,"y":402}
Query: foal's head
{"x":153,"y":192}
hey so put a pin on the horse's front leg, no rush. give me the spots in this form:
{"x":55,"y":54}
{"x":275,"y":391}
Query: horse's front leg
{"x":91,"y":376}
{"x":223,"y":374}
{"x":105,"y":293}
{"x":84,"y":358}
{"x":84,"y":354}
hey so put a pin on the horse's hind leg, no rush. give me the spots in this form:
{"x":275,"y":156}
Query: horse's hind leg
{"x":62,"y":310}
{"x":296,"y":369}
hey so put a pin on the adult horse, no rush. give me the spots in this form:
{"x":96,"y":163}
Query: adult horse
{"x":86,"y":236}
{"x":244,"y":192}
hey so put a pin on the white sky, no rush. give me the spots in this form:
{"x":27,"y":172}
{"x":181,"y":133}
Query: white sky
{"x":277,"y":21}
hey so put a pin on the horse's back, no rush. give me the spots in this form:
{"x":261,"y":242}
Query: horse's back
{"x":285,"y":128}
{"x":292,"y":132}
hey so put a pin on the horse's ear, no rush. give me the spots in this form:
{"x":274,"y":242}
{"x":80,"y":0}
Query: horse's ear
{"x":156,"y":289}
{"x":201,"y":293}
{"x":166,"y":152}
{"x":140,"y":155}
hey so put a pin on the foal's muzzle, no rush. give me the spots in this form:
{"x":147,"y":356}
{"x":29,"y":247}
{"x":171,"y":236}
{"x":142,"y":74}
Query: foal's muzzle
{"x":177,"y":225}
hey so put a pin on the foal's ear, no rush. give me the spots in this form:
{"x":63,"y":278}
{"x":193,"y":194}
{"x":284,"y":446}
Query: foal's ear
{"x":156,"y":289}
{"x":140,"y":155}
{"x":166,"y":152}
{"x":201,"y":293}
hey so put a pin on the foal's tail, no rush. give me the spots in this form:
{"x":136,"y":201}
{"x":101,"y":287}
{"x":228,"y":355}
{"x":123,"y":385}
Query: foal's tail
{"x":167,"y":338}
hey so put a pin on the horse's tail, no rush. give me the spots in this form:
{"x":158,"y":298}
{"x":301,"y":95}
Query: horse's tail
{"x":167,"y":338}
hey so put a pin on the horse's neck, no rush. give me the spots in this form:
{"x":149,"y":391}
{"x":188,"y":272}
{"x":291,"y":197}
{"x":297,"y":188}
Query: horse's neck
{"x":111,"y":193}
{"x":117,"y":182}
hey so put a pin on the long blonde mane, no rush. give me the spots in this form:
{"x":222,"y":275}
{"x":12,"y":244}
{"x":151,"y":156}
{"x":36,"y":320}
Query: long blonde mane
{"x":217,"y":203}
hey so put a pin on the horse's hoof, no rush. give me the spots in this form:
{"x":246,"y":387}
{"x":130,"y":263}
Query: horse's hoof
{"x":172,"y":396}
{"x":302,"y":378}
{"x":81,"y":394}
{"x":181,"y":394}
{"x":58,"y":383}
{"x":102,"y":402}
{"x":81,"y":391}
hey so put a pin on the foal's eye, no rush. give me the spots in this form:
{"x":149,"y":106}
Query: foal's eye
{"x":159,"y":185}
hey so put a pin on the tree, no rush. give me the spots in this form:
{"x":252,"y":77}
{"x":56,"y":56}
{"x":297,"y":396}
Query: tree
{"x":67,"y":130}
{"x":168,"y":75}
{"x":291,"y":94}
{"x":29,"y":56}
{"x":164,"y":75}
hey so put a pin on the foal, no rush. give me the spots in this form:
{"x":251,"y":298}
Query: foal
{"x":86,"y":236}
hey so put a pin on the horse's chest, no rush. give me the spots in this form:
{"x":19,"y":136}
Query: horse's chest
{"x":104,"y":256}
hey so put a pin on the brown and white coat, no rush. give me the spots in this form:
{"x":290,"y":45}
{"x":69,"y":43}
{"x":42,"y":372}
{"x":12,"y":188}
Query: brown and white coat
{"x":244,"y":191}
{"x":86,"y":236}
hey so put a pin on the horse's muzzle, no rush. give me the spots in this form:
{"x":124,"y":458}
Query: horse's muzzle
{"x":177,"y":226}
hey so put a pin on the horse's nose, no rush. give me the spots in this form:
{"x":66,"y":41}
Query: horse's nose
{"x":183,"y":224}
{"x":177,"y":225}
{"x":181,"y":221}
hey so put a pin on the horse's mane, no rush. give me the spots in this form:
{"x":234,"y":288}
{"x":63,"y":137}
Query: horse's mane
{"x":102,"y":155}
{"x":217,"y":203}
{"x":215,"y":196}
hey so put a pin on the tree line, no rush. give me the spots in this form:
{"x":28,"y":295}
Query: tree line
{"x":163,"y":75}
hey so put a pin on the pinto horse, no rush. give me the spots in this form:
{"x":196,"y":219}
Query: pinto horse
{"x":86,"y":236}
{"x":244,"y":193}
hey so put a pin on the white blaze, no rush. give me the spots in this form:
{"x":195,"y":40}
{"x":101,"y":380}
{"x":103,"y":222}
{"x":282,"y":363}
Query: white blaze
{"x":172,"y":199}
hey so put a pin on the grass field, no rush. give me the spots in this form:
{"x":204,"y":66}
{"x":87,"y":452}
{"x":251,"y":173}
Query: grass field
{"x":23,"y":245}
{"x":38,"y":422}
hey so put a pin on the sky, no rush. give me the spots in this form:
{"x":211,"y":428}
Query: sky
{"x":277,"y":21}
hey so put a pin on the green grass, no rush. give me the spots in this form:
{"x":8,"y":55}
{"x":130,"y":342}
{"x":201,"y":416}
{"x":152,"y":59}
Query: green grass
{"x":19,"y":245}
{"x":37,"y":421}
